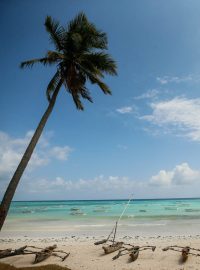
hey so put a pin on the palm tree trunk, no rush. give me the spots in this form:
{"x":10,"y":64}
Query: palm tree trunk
{"x":8,"y":196}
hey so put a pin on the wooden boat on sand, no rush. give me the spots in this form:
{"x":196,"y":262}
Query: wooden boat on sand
{"x":184,"y":252}
{"x":44,"y":254}
{"x":134,"y":253}
{"x":113,"y":247}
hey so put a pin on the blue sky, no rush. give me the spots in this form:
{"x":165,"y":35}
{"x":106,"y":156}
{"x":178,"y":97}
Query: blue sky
{"x":144,"y":139}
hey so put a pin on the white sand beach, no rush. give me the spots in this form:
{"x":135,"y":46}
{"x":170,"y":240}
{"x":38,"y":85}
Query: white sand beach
{"x":84,"y":255}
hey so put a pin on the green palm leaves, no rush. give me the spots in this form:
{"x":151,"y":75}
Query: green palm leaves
{"x":80,"y":56}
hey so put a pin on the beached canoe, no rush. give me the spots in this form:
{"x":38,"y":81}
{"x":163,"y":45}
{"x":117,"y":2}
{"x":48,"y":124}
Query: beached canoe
{"x":112,"y":248}
{"x":44,"y":254}
{"x":5,"y":253}
{"x":134,"y":254}
{"x":185,"y":251}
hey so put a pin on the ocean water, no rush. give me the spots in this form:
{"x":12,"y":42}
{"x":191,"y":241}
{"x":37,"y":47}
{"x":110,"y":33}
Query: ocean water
{"x":158,"y":214}
{"x":106,"y":209}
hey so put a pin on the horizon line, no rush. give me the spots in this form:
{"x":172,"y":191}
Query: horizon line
{"x":125,"y":199}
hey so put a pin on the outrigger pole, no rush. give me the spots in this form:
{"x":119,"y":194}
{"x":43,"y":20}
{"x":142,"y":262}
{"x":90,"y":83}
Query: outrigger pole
{"x":114,"y":229}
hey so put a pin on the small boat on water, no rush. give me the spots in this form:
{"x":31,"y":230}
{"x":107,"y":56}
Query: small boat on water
{"x":27,"y":211}
{"x":171,"y":208}
{"x":191,"y":210}
{"x":74,"y":209}
{"x":77,"y":213}
{"x":99,"y":210}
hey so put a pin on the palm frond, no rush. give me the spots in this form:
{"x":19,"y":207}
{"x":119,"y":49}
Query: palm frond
{"x":99,"y":61}
{"x":45,"y":61}
{"x":85,"y":94}
{"x":73,"y":35}
{"x":77,"y":101}
{"x":77,"y":23}
{"x":95,"y":37}
{"x":56,"y":56}
{"x":79,"y":57}
{"x":104,"y":87}
{"x":94,"y":79}
{"x":53,"y":84}
{"x":91,"y":37}
{"x":52,"y":57}
{"x":55,"y":31}
{"x":84,"y":64}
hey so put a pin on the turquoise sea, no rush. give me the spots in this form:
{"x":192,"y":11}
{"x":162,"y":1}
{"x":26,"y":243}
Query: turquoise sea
{"x":101,"y":214}
{"x":106,"y":209}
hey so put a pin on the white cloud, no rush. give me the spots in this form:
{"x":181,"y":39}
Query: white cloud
{"x":162,"y":80}
{"x":124,"y":110}
{"x":61,"y":153}
{"x":181,"y":175}
{"x":101,"y":186}
{"x":178,"y":182}
{"x":148,"y":95}
{"x":179,"y":115}
{"x":178,"y":79}
{"x":97,"y":184}
{"x":162,"y":178}
{"x":12,"y":149}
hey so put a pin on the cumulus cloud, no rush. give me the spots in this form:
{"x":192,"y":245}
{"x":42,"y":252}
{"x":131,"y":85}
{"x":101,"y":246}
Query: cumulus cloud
{"x":162,"y":178}
{"x":179,"y":115}
{"x":97,"y":184}
{"x":181,"y":175}
{"x":12,"y":149}
{"x":124,"y":110}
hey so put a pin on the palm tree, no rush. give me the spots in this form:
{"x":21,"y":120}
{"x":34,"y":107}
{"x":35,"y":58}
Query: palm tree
{"x":79,"y":57}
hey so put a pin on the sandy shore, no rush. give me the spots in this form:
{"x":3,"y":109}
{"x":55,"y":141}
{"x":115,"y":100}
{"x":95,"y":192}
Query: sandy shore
{"x":84,"y":255}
